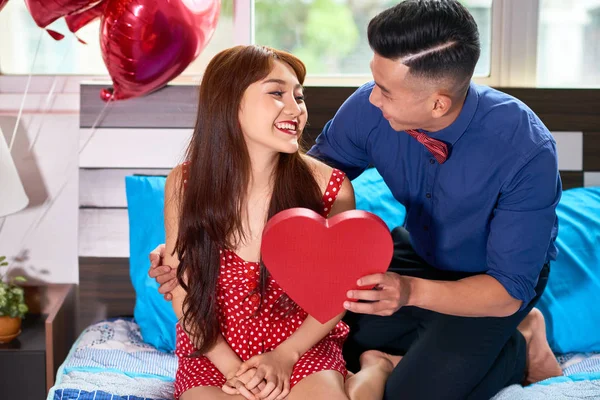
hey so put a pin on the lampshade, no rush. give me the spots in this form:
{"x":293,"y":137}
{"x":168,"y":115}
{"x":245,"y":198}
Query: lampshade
{"x":12,"y":194}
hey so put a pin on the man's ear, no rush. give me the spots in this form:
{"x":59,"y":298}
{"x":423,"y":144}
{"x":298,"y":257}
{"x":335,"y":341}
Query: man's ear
{"x":442,"y":104}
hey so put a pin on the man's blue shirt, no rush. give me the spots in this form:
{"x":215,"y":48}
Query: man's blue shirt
{"x":489,"y":208}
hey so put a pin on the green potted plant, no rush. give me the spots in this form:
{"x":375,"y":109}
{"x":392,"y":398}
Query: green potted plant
{"x":12,"y":305}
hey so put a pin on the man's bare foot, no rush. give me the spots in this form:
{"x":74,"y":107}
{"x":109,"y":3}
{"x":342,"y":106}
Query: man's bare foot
{"x":369,"y":382}
{"x":541,"y":362}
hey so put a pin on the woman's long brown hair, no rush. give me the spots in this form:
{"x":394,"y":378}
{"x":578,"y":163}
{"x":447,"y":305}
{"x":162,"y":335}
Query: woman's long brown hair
{"x":217,"y":183}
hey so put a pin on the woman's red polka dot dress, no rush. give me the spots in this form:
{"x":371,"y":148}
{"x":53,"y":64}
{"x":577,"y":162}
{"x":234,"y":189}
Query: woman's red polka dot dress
{"x":251,"y":331}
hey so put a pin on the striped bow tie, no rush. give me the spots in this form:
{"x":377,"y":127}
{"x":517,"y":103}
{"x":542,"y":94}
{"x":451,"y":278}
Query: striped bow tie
{"x":435,"y":147}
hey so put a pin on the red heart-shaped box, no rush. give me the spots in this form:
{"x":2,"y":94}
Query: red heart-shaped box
{"x":317,"y":260}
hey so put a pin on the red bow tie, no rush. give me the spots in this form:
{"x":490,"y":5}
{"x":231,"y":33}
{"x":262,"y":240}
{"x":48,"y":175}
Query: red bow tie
{"x":436,"y":147}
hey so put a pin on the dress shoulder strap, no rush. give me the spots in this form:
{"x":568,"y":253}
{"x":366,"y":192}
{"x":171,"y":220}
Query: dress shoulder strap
{"x":333,"y":188}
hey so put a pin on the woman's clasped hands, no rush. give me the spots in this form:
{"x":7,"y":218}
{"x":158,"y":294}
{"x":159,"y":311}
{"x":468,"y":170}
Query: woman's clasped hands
{"x":265,"y":376}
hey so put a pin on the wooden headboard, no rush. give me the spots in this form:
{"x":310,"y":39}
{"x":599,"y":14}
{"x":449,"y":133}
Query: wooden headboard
{"x":148,"y":135}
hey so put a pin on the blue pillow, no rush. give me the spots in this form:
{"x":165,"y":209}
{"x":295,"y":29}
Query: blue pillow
{"x":373,"y":195}
{"x":570,"y":301}
{"x":145,"y":204}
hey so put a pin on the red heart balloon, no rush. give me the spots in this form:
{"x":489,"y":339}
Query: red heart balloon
{"x":78,"y":20}
{"x":2,"y":4}
{"x":317,"y":260}
{"x":44,"y":12}
{"x":146,"y":43}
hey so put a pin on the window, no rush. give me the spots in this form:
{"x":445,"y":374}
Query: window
{"x":68,"y":56}
{"x":548,"y":43}
{"x":330,"y":36}
{"x":569,"y":43}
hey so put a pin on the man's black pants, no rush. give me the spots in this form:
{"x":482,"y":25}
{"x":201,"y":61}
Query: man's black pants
{"x":445,"y":357}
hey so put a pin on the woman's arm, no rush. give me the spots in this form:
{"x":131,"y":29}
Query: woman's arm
{"x":221,"y":355}
{"x":276,"y":366}
{"x":306,"y":336}
{"x":311,"y":331}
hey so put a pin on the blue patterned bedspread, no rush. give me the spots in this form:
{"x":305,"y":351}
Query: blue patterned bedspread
{"x":110,"y":361}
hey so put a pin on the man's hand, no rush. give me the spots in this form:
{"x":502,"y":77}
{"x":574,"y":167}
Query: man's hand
{"x":391,"y":292}
{"x":164,"y":275}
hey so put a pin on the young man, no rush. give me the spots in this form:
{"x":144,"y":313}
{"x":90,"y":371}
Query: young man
{"x":477,"y":172}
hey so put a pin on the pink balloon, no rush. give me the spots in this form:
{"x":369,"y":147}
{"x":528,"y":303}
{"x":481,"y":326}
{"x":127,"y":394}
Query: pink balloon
{"x":147,"y":43}
{"x":2,"y":4}
{"x":78,"y":20}
{"x":45,"y":12}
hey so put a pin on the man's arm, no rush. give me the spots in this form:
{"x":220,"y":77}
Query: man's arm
{"x":476,"y":296}
{"x":343,"y":142}
{"x":520,"y":234}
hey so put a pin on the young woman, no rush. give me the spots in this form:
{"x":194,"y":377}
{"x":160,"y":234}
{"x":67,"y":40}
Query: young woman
{"x":239,"y":335}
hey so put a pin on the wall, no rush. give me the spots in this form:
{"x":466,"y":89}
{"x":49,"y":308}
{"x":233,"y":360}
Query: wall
{"x":63,"y":167}
{"x":41,"y":241}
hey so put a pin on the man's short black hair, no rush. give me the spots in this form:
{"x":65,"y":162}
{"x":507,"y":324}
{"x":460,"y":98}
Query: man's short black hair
{"x":436,"y":39}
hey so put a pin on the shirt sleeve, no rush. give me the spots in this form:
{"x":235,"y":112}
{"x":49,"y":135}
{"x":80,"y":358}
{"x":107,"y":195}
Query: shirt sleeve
{"x":522,"y":224}
{"x":343,"y":142}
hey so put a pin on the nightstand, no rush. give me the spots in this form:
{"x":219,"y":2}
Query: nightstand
{"x":28,"y":364}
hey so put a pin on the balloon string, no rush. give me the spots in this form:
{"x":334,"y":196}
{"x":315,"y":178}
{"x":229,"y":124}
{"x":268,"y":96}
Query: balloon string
{"x":69,"y":175}
{"x":96,"y":122}
{"x":64,"y":184}
{"x":48,"y":204}
{"x":49,"y":98}
{"x":14,"y":134}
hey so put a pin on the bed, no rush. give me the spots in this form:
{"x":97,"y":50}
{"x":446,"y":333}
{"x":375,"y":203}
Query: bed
{"x":113,"y":359}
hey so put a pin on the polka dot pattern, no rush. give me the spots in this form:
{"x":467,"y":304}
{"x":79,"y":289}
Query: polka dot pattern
{"x":253,"y":324}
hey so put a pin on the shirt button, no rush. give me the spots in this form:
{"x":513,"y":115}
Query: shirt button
{"x":428,"y":195}
{"x":425,"y":228}
{"x":431,"y":161}
{"x":254,"y":298}
{"x":251,"y":285}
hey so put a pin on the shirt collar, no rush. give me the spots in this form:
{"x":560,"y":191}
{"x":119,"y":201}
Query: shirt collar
{"x":452,"y":133}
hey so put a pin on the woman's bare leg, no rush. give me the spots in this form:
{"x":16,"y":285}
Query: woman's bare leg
{"x":208,"y":393}
{"x":324,"y":385}
{"x":369,"y":382}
